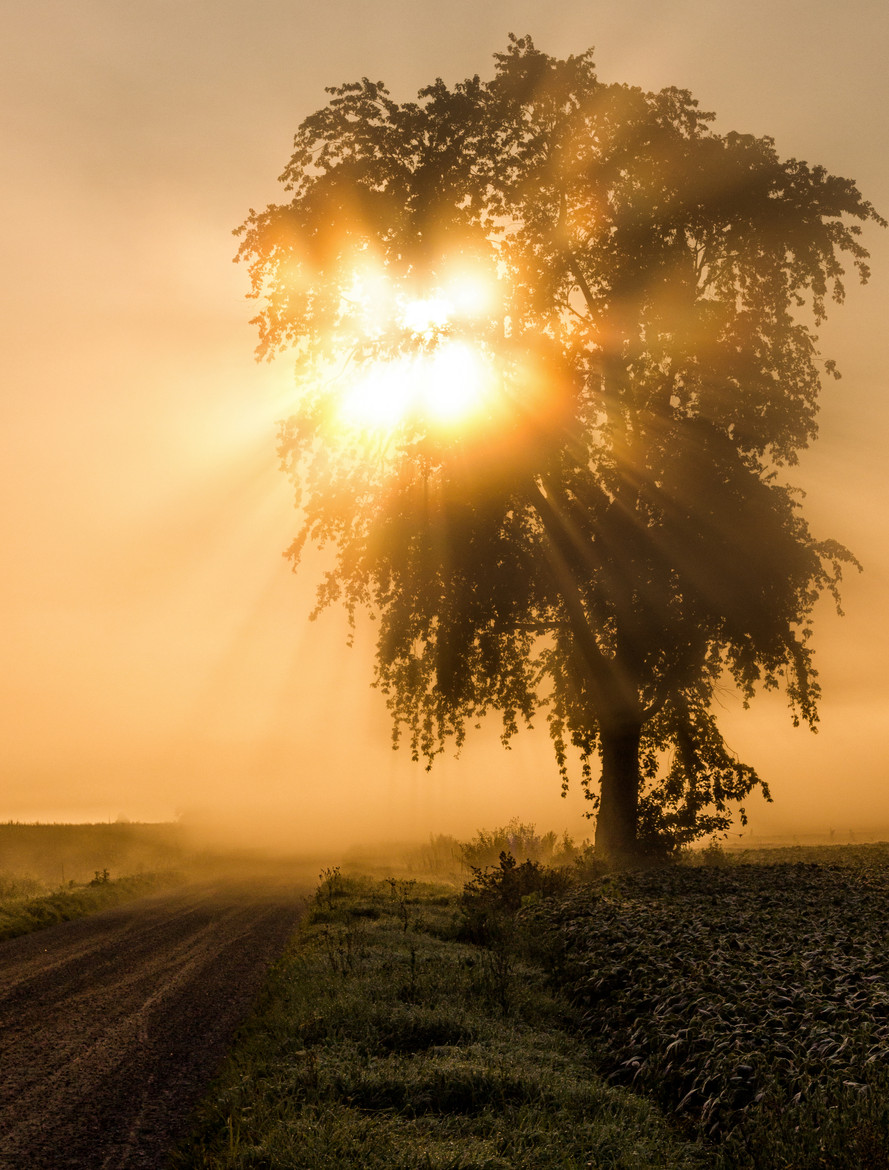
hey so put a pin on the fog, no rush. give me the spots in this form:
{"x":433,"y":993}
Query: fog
{"x":158,"y":661}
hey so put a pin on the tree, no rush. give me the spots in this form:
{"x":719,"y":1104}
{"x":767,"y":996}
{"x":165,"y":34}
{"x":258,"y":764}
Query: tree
{"x":556,"y":342}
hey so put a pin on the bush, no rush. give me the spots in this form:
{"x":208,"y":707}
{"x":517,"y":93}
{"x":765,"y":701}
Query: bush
{"x":524,"y":843}
{"x":493,"y":897}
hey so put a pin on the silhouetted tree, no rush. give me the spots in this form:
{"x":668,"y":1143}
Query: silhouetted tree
{"x":610,"y":534}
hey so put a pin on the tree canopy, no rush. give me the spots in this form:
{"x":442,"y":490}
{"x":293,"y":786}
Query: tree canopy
{"x":555,"y":345}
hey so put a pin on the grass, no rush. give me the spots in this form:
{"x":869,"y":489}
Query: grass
{"x":26,"y":905}
{"x":382,"y":1040}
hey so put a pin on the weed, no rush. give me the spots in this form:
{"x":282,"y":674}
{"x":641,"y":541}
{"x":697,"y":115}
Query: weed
{"x":330,"y":887}
{"x":344,"y":946}
{"x":493,"y":897}
{"x":401,"y":894}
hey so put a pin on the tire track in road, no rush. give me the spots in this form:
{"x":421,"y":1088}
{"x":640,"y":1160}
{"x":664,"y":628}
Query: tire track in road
{"x":112,"y":1026}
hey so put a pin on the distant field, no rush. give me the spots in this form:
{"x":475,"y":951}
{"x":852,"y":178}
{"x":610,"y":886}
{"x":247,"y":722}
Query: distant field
{"x":53,"y":873}
{"x":56,"y":854}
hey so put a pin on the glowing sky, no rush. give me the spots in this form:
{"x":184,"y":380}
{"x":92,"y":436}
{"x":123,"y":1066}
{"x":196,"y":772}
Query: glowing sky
{"x":155,"y":651}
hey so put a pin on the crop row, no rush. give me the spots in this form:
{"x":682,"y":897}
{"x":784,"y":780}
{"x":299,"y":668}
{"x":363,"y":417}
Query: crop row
{"x":727,"y":991}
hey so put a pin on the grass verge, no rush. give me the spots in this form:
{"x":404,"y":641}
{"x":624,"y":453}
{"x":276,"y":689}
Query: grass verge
{"x":382,"y":1041}
{"x":23,"y":909}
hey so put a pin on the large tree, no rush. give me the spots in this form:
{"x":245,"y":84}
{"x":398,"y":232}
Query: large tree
{"x":555,"y":344}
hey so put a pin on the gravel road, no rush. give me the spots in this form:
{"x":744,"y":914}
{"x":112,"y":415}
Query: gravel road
{"x":112,"y":1026}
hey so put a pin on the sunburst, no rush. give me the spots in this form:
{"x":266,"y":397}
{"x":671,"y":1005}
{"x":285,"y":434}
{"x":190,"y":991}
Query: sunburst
{"x":440,"y":374}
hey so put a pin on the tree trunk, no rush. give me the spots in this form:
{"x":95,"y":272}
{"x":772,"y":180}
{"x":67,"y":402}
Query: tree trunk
{"x":617,"y":822}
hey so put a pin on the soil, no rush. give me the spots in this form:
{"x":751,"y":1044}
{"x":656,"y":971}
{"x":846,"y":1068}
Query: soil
{"x":111,"y":1027}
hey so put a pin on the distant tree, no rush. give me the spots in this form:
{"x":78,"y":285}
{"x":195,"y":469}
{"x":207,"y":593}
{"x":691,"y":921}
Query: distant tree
{"x":555,"y":343}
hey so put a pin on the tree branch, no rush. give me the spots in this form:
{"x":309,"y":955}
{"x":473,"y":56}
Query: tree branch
{"x":612,"y":691}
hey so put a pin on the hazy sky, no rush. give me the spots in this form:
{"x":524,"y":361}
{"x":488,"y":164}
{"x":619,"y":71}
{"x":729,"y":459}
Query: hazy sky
{"x":156,"y":654}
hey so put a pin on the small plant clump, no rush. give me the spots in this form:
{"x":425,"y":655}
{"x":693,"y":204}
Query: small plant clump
{"x":493,"y":897}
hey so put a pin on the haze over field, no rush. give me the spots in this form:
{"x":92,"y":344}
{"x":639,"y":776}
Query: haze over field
{"x":157,"y":657}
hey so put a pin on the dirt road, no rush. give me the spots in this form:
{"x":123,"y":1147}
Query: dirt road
{"x":112,"y":1026}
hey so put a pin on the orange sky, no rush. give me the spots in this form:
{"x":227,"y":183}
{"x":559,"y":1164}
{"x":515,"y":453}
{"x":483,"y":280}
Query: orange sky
{"x":156,"y":656}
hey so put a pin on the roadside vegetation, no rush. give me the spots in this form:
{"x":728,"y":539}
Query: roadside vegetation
{"x":386,"y":1039}
{"x":26,"y":904}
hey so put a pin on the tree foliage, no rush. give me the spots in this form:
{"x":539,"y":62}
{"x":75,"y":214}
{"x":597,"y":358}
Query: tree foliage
{"x":613,"y":533}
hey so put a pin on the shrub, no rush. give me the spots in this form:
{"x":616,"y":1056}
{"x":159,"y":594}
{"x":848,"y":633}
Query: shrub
{"x":524,"y":843}
{"x":493,"y":896}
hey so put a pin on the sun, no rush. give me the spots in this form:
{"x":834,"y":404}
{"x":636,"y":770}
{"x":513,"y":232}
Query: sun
{"x":438,"y":374}
{"x":446,"y":387}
